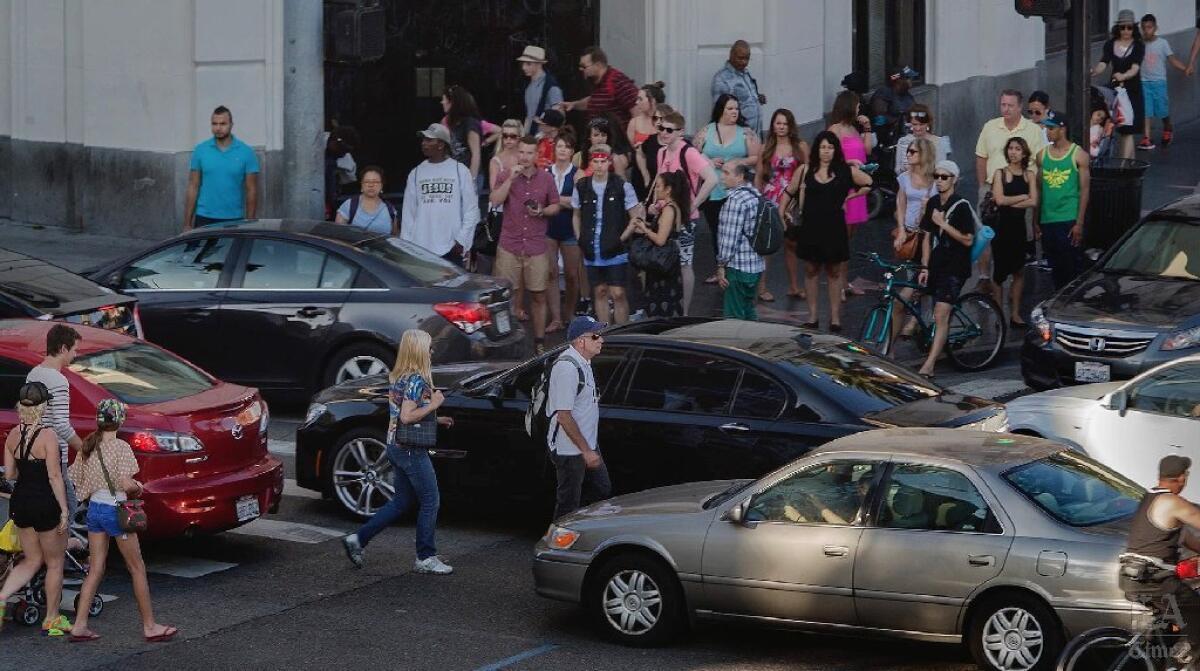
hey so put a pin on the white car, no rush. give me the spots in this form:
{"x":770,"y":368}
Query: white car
{"x":1127,"y":426}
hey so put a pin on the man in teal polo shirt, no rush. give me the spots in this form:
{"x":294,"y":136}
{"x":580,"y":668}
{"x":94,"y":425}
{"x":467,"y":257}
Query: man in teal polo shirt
{"x":223,"y":178}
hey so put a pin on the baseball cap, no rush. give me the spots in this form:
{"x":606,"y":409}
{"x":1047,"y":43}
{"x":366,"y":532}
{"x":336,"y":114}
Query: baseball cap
{"x":905,"y":73}
{"x":552,"y":117}
{"x":110,"y":411}
{"x":1052,"y":119}
{"x":1173,"y":466}
{"x":33,"y":394}
{"x":436,"y":131}
{"x":584,"y":325}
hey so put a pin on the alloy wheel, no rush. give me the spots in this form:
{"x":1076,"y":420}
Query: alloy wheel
{"x":632,"y":602}
{"x":362,"y":476}
{"x":1013,"y":639}
{"x":360,"y":366}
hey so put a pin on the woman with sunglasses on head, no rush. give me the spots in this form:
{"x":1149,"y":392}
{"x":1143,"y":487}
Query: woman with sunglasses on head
{"x":782,"y":154}
{"x":916,"y":187}
{"x":103,"y":476}
{"x":1015,"y":190}
{"x":1124,"y":51}
{"x":949,"y":229}
{"x":605,"y":130}
{"x":920,"y":120}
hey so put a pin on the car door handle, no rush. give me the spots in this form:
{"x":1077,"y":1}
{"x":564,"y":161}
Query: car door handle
{"x":981,"y":560}
{"x":734,"y":426}
{"x":196,"y":314}
{"x":309,"y":312}
{"x":836,"y":550}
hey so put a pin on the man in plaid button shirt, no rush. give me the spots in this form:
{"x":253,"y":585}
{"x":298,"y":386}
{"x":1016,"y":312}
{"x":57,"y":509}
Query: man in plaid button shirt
{"x":738,"y":265}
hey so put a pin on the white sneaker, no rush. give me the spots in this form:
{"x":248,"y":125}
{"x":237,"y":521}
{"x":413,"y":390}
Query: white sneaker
{"x":432,"y":565}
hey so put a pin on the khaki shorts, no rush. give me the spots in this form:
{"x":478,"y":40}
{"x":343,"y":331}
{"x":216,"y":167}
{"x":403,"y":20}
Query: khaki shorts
{"x":530,"y":272}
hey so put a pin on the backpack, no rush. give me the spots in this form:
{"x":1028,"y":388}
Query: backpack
{"x":537,"y":422}
{"x":683,"y":166}
{"x":768,"y":228}
{"x":354,"y":209}
{"x":983,"y":232}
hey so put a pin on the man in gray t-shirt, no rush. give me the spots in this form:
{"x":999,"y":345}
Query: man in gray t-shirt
{"x":574,"y":412}
{"x":62,"y":343}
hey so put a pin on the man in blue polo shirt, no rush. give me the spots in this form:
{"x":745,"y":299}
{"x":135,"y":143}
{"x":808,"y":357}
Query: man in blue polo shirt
{"x":223,"y":178}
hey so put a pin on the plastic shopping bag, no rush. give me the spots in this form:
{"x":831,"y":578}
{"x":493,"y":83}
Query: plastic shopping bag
{"x":1122,"y":108}
{"x":9,"y":541}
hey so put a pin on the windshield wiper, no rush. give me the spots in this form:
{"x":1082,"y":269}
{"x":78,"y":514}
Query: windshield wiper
{"x":732,"y":491}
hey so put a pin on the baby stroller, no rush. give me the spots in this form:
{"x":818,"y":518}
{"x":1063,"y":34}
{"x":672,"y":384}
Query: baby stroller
{"x":29,"y":606}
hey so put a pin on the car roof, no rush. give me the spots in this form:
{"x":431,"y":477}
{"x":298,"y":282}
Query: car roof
{"x":1187,"y":207}
{"x":28,"y":336}
{"x":45,"y":286}
{"x":769,"y":340}
{"x":325,"y":230}
{"x":980,"y":449}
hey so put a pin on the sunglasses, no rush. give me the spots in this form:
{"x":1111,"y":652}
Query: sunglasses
{"x":943,"y":176}
{"x":509,"y":136}
{"x":1126,"y":27}
{"x":1033,"y":112}
{"x":916,"y":115}
{"x":595,"y":337}
{"x":666,"y":129}
{"x":912,"y":150}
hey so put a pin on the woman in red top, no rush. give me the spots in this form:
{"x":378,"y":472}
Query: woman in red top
{"x":782,"y":153}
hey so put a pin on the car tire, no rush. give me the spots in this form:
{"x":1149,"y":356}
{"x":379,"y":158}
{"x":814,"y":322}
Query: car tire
{"x":646,"y":600}
{"x":357,"y":360}
{"x":1002,"y":633}
{"x":346,"y":458}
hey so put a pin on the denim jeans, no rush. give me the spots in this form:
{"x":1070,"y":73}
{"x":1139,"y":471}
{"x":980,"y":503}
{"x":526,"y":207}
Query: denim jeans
{"x":577,"y":484}
{"x":414,"y":481}
{"x":1066,"y":259}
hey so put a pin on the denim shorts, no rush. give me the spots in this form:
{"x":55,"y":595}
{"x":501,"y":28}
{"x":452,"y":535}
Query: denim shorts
{"x":102,"y":518}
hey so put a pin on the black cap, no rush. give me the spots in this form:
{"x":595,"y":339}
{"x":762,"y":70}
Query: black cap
{"x":553,"y":118}
{"x":33,"y":394}
{"x":1172,"y":466}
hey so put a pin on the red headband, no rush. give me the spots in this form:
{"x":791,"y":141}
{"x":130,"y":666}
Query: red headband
{"x":600,"y":155}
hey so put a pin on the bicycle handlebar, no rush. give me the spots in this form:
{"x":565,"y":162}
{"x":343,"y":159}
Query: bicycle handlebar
{"x":894,"y":266}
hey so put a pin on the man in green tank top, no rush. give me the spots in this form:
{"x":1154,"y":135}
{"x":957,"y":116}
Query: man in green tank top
{"x":1064,"y":174}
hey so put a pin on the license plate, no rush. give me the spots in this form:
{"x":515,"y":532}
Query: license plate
{"x":503,"y":323}
{"x":247,"y":508}
{"x":1090,"y":371}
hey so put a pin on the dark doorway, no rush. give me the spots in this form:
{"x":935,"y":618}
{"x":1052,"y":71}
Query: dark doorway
{"x":435,"y":43}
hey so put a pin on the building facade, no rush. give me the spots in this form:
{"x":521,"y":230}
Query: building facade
{"x":101,"y":101}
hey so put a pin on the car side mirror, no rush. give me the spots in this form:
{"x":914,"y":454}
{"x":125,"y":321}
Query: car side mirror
{"x":736,"y":514}
{"x":114,"y":280}
{"x":495,"y":394}
{"x":1119,"y":401}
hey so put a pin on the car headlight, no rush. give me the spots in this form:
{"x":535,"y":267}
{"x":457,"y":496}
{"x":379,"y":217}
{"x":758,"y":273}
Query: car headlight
{"x":561,"y":538}
{"x":1041,"y":324}
{"x":1183,"y":339}
{"x":315,"y":410}
{"x":997,"y":423}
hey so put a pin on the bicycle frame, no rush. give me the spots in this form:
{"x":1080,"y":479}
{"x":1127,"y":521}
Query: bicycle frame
{"x":871,"y":335}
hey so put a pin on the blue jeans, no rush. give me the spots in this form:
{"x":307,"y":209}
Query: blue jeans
{"x":414,"y":480}
{"x":1066,"y":260}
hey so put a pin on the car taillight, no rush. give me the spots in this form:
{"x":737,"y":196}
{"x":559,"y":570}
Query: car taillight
{"x":1188,"y":569}
{"x":164,"y":442}
{"x":468,"y":317}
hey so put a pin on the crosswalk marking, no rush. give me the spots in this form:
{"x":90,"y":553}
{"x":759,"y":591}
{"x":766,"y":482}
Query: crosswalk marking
{"x":290,"y":488}
{"x":295,"y":532}
{"x":186,"y":567}
{"x":68,"y":599}
{"x":281,"y":447}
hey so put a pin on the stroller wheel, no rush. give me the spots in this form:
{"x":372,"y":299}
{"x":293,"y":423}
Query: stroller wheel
{"x":30,"y":615}
{"x":95,"y":609}
{"x":39,"y":596}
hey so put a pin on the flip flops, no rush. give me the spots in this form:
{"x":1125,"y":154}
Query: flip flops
{"x":168,"y":634}
{"x":84,"y":638}
{"x":57,"y":627}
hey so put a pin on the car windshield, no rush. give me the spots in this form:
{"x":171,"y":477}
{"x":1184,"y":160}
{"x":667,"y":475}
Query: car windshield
{"x":1159,"y":248}
{"x":138,"y":374}
{"x":857,"y":380}
{"x":417,"y":262}
{"x":1076,"y":490}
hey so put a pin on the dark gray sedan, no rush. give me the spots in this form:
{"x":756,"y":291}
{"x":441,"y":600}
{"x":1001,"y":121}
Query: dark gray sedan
{"x":1004,"y":543}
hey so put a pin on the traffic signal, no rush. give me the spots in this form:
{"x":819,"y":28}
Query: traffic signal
{"x":1046,"y":8}
{"x":359,"y":34}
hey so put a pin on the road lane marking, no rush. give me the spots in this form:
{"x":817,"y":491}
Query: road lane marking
{"x":519,"y":657}
{"x":295,"y":532}
{"x":186,"y":567}
{"x":286,"y":448}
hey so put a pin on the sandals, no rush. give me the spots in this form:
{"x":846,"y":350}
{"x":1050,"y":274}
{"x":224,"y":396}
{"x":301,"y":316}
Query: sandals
{"x":799,"y":293}
{"x":811,"y":325}
{"x":554,"y":326}
{"x":86,"y":637}
{"x":57,"y":627}
{"x":766,"y":297}
{"x":167,"y":634}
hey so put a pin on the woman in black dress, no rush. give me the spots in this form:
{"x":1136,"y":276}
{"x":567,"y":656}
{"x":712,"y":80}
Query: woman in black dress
{"x":1014,"y":188}
{"x":823,"y":186}
{"x":1124,"y":51}
{"x":664,"y":292}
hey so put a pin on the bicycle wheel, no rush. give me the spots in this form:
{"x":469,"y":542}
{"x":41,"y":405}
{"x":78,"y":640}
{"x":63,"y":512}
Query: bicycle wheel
{"x":876,"y":331}
{"x":977,"y":332}
{"x":1105,"y":649}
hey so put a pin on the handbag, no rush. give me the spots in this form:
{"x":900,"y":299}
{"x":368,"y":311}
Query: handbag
{"x":10,"y":542}
{"x":910,"y":246}
{"x":417,"y":434}
{"x":989,"y":211}
{"x":794,"y":231}
{"x":647,"y":256}
{"x":1122,"y":109}
{"x":131,"y":515}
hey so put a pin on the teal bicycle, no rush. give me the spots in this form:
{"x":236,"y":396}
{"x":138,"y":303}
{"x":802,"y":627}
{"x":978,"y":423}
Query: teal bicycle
{"x":977,"y":324}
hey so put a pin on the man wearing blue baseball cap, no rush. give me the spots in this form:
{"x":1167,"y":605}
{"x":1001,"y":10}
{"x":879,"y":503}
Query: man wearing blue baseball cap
{"x":1063,"y":169}
{"x":574,"y":410}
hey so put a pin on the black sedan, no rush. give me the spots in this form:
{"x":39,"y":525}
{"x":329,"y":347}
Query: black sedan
{"x":36,"y":289}
{"x":293,"y":306}
{"x":1138,"y":307}
{"x":680,"y":400}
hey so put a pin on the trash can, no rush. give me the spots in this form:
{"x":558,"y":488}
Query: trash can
{"x":1114,"y":200}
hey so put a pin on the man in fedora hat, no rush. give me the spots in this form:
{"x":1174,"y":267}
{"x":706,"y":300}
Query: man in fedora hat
{"x":543,"y":91}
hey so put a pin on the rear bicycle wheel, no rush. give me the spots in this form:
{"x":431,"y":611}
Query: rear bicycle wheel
{"x":876,"y":331}
{"x":1105,"y":649}
{"x":977,"y":332}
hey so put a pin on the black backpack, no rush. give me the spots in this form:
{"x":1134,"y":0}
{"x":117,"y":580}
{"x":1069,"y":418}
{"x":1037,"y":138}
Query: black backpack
{"x":768,"y":228}
{"x":537,"y":422}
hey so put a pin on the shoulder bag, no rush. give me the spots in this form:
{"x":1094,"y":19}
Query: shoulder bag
{"x":417,"y":434}
{"x":131,"y":515}
{"x":652,"y":258}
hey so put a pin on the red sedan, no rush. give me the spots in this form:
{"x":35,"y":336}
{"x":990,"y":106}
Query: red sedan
{"x":201,"y":443}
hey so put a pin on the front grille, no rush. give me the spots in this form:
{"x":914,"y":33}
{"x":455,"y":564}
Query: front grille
{"x":1102,"y":342}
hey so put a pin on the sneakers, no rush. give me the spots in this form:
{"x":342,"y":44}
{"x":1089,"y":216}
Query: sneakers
{"x":432,"y":565}
{"x":354,"y":550}
{"x":1167,"y":136}
{"x":1145,"y":143}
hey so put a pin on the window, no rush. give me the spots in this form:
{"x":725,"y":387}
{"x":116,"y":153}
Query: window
{"x":141,"y":373}
{"x":682,"y":382}
{"x":934,"y":499}
{"x":759,"y":397}
{"x":863,"y":384}
{"x":1159,"y":248}
{"x":1098,"y":27}
{"x":12,"y":377}
{"x":416,"y":262}
{"x":1076,"y":490}
{"x":828,"y":493}
{"x":888,"y":35}
{"x":1173,"y":391}
{"x":195,"y":264}
{"x":276,"y":264}
{"x":604,"y":365}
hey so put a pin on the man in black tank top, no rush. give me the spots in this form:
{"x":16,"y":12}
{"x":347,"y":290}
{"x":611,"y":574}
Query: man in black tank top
{"x":1157,"y":531}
